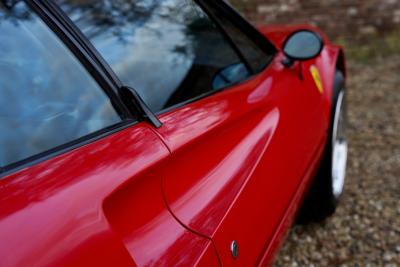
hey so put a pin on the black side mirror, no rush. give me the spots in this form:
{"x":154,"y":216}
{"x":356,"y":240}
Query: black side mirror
{"x":303,"y":45}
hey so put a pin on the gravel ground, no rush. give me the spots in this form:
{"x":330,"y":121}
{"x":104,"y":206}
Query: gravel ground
{"x":365,"y":231}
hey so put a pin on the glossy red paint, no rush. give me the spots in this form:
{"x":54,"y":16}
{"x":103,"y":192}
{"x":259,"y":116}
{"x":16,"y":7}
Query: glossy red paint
{"x":231,"y":166}
{"x":238,"y":158}
{"x":100,"y":205}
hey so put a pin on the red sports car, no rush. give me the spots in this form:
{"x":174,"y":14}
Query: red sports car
{"x":162,"y":133}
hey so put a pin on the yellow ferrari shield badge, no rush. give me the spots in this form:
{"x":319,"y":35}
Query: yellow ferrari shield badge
{"x":317,"y":78}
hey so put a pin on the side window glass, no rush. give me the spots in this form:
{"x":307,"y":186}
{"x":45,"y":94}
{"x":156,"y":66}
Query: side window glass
{"x":47,"y":98}
{"x":168,"y":50}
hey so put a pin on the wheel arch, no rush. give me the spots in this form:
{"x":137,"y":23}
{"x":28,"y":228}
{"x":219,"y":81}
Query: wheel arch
{"x":341,"y":62}
{"x":332,"y":59}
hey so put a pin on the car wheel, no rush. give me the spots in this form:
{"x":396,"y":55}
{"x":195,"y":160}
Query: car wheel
{"x":328,"y":185}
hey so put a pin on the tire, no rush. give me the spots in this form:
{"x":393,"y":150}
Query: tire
{"x":327,"y":188}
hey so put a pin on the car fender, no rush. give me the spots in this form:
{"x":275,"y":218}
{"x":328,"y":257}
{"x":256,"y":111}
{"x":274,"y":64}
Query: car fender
{"x":331,"y":58}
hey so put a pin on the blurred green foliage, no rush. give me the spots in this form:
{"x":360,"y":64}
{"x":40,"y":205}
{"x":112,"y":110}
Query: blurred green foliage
{"x":372,"y":47}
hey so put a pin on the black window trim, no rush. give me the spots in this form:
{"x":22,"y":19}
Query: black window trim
{"x":133,"y":105}
{"x":246,"y":28}
{"x":85,"y":43}
{"x":59,"y":24}
{"x":242,"y":23}
{"x":64,"y":148}
{"x":226,"y":36}
{"x":204,"y":95}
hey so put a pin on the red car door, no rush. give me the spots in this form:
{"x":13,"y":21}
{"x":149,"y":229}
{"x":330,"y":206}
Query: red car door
{"x":240,"y":156}
{"x":80,"y":178}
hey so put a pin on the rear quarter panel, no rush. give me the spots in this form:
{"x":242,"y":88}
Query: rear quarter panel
{"x":332,"y":57}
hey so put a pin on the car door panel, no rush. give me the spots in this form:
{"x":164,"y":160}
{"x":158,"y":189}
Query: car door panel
{"x":98,"y":205}
{"x":209,"y":179}
{"x":238,"y":157}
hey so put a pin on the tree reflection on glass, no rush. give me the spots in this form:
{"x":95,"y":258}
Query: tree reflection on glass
{"x":168,"y":50}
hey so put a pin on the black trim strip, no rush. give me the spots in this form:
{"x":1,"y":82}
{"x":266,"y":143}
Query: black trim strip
{"x":50,"y":19}
{"x":205,"y":95}
{"x":85,"y":43}
{"x":107,"y":71}
{"x":46,"y":155}
{"x":227,"y":37}
{"x":247,"y":28}
{"x":131,"y":95}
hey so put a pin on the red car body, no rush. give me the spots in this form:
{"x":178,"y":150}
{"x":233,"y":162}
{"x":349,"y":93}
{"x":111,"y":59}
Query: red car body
{"x":233,"y":166}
